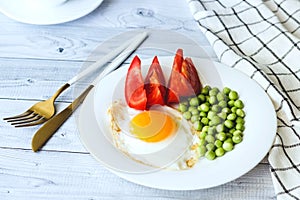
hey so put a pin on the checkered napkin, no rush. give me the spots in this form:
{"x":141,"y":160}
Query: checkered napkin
{"x":262,"y":39}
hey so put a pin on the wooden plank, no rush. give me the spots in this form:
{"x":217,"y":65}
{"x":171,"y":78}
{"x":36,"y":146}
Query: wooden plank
{"x":53,"y":175}
{"x":51,"y":42}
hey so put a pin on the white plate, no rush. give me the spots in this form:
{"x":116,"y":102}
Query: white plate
{"x":258,"y":136}
{"x":22,"y":11}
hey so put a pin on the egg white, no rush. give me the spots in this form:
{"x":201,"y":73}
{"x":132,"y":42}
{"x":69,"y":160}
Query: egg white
{"x":175,"y":152}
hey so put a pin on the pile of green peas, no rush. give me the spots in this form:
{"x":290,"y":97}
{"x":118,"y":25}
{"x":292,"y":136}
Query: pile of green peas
{"x":217,"y":117}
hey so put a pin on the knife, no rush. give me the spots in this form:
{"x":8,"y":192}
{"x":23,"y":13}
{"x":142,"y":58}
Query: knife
{"x":50,"y":127}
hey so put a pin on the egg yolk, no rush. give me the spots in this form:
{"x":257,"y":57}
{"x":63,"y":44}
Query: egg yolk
{"x":152,"y":126}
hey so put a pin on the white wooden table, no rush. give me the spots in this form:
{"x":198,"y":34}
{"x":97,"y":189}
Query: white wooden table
{"x":36,"y":60}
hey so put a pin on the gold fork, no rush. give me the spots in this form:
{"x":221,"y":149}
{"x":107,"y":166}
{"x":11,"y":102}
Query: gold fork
{"x":38,"y":113}
{"x":42,"y":111}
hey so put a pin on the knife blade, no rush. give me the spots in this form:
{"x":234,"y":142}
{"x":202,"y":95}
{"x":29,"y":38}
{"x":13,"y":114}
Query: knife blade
{"x":52,"y":125}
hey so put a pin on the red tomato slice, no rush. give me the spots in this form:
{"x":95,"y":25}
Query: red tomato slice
{"x":135,"y":93}
{"x":175,"y":78}
{"x":155,"y":84}
{"x":184,"y":80}
{"x":191,"y":75}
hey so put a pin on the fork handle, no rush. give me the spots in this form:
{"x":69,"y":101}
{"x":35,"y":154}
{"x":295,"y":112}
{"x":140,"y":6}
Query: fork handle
{"x":59,"y":91}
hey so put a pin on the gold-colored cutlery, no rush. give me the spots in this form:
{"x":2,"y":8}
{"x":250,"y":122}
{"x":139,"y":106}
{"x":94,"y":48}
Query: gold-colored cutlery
{"x":43,"y":111}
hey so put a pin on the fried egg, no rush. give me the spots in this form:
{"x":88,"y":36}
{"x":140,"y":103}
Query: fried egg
{"x":159,"y":137}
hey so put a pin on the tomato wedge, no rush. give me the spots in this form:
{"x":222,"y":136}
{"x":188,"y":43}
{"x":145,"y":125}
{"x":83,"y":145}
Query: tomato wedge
{"x":191,"y":74}
{"x":184,"y":80}
{"x":135,"y":94}
{"x":155,"y":84}
{"x":175,"y":77}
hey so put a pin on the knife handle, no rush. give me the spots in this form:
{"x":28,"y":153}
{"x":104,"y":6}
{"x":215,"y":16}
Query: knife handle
{"x":49,"y":128}
{"x":65,"y":114}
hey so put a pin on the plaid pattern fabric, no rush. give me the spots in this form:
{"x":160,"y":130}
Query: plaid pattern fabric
{"x":262,"y":39}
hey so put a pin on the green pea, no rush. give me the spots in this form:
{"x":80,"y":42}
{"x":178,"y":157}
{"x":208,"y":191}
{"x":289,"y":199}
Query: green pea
{"x":204,"y":107}
{"x":187,"y":115}
{"x":218,"y":143}
{"x":230,"y":103}
{"x":211,"y":130}
{"x":194,"y":101}
{"x":195,"y":118}
{"x":210,"y":155}
{"x":210,"y":139}
{"x":240,"y":112}
{"x":202,"y":135}
{"x":207,"y":98}
{"x":202,"y":150}
{"x":233,"y":95}
{"x":237,"y":138}
{"x":213,"y":92}
{"x":231,"y":116}
{"x":205,"y":121}
{"x":215,"y":120}
{"x":212,"y":100}
{"x":195,"y":112}
{"x":219,"y":152}
{"x":202,"y":114}
{"x":182,"y":107}
{"x":220,"y":96}
{"x":228,"y":123}
{"x":205,"y":90}
{"x":227,"y":146}
{"x":210,"y":147}
{"x":240,"y":120}
{"x":191,"y":108}
{"x":232,"y":130}
{"x":197,"y":125}
{"x":229,"y":135}
{"x":233,"y":109}
{"x":240,"y":127}
{"x":226,"y":90}
{"x":226,"y":110}
{"x":220,"y":128}
{"x":205,"y":129}
{"x":210,"y":114}
{"x":221,"y":136}
{"x":229,"y":140}
{"x":201,"y":98}
{"x":222,"y":115}
{"x":222,"y":104}
{"x":216,"y":108}
{"x":237,"y":132}
{"x":239,"y":104}
{"x":202,"y":142}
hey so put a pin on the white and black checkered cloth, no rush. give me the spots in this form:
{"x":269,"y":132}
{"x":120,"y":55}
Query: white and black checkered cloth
{"x":262,"y":39}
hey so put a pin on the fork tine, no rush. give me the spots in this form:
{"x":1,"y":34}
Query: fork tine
{"x":27,"y":117}
{"x":32,"y":119}
{"x":42,"y":120}
{"x":18,"y":116}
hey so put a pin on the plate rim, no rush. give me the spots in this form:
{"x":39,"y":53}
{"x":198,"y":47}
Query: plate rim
{"x":134,"y":177}
{"x":37,"y":21}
